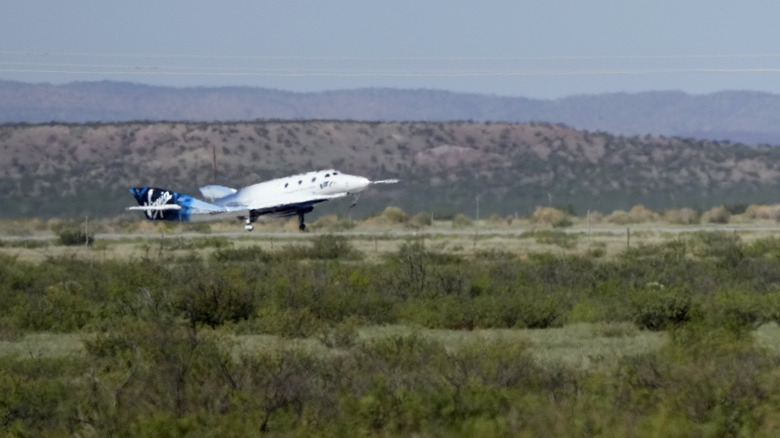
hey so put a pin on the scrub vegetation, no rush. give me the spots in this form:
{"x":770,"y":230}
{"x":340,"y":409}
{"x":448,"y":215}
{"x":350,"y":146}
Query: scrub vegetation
{"x":315,"y":338}
{"x":446,"y":168}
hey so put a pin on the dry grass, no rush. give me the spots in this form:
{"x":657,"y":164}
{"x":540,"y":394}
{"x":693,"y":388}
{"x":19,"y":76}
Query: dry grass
{"x":584,"y":346}
{"x":34,"y":345}
{"x":588,"y":347}
{"x":375,"y":241}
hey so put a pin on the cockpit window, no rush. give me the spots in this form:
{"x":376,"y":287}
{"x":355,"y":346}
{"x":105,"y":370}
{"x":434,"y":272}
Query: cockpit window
{"x":335,"y":173}
{"x":286,"y":184}
{"x":327,"y":175}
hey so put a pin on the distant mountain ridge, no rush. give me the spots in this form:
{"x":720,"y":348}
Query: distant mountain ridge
{"x":737,"y":116}
{"x":78,"y":170}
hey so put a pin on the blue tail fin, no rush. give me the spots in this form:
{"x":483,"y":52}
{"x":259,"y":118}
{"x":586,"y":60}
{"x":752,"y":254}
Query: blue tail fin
{"x":162,"y":205}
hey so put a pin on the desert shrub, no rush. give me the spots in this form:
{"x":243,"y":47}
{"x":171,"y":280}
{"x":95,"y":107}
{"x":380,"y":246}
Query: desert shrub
{"x":199,"y":227}
{"x":672,"y":251}
{"x":550,"y":216}
{"x":595,"y":217}
{"x":639,"y":214}
{"x":332,"y":223}
{"x":413,"y":266}
{"x":73,"y":234}
{"x":761,"y":212}
{"x":736,"y":208}
{"x":38,"y":396}
{"x":461,"y":221}
{"x":287,"y":322}
{"x":61,"y":307}
{"x":332,"y":247}
{"x":716,"y":215}
{"x":217,"y":242}
{"x":29,"y":244}
{"x":683,"y":216}
{"x":524,"y":308}
{"x":421,"y":219}
{"x":340,"y":335}
{"x":393,"y":215}
{"x":557,"y":238}
{"x":658,"y":308}
{"x":763,"y":248}
{"x":616,"y":329}
{"x":741,"y":311}
{"x":449,"y":312}
{"x":497,"y":221}
{"x":246,"y":254}
{"x":618,"y":217}
{"x":717,"y":244}
{"x":494,"y":254}
{"x":212,"y":294}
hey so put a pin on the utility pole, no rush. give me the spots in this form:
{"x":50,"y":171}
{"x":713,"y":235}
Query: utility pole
{"x":214,"y":160}
{"x":628,"y":238}
{"x":588,"y":228}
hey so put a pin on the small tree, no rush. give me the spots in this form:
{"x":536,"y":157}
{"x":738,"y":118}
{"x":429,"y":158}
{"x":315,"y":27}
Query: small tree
{"x":461,"y":221}
{"x":549,"y":215}
{"x":73,"y":234}
{"x":394,"y":215}
{"x":717,"y":215}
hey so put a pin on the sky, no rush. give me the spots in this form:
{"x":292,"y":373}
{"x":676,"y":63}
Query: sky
{"x":532,"y":48}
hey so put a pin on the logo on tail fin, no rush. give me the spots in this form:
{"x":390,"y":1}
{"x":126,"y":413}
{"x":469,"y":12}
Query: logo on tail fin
{"x":154,"y":197}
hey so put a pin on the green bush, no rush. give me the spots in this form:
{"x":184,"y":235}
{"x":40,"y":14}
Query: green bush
{"x":461,"y":221}
{"x":557,"y":238}
{"x":73,"y":234}
{"x":658,"y":308}
{"x":421,"y":220}
{"x":332,"y":247}
{"x":251,"y":254}
{"x":393,"y":215}
{"x":717,"y":215}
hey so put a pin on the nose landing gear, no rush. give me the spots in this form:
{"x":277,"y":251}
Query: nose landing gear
{"x":248,"y":222}
{"x":301,"y":212}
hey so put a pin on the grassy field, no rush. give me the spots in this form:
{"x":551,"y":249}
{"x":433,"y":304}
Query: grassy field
{"x":583,"y":346}
{"x":32,"y":240}
{"x":504,"y":330}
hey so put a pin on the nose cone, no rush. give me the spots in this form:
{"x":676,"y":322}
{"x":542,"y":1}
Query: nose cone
{"x":359,"y":184}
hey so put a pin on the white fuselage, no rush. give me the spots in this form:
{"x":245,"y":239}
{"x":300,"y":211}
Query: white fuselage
{"x":305,"y":187}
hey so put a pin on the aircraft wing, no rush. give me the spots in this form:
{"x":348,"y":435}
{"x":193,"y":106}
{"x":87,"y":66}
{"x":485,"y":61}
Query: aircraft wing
{"x":213,"y":192}
{"x":155,"y":207}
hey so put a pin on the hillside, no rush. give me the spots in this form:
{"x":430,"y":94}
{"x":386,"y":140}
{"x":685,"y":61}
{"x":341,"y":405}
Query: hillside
{"x":77,"y":170}
{"x":737,"y":116}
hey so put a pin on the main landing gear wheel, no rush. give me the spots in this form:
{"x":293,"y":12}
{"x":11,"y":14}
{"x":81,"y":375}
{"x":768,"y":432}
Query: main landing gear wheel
{"x":248,"y":225}
{"x":301,"y":224}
